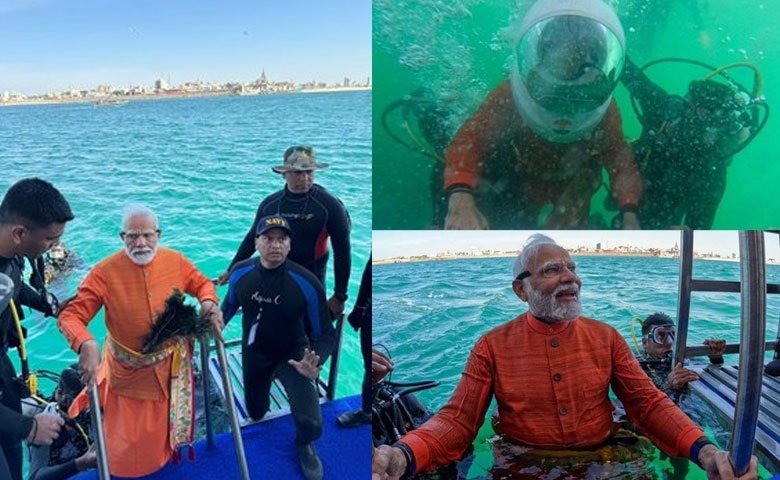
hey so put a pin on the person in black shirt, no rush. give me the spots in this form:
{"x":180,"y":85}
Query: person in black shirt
{"x":686,"y":147}
{"x":33,"y":215}
{"x":71,"y":452}
{"x":360,"y":319}
{"x":286,"y":333}
{"x":314,"y":214}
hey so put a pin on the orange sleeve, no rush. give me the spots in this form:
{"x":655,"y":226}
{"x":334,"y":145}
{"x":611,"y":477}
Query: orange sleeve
{"x":624,"y":177}
{"x":197,"y":284}
{"x":446,"y":436}
{"x":77,"y":313}
{"x":648,"y":408}
{"x":477,"y":138}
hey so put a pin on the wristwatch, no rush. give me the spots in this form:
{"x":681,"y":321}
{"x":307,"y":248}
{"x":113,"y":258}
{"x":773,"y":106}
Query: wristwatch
{"x":696,"y":449}
{"x":341,"y":297}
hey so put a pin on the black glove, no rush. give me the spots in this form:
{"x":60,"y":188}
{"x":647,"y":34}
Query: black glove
{"x":51,"y":305}
{"x":356,"y":316}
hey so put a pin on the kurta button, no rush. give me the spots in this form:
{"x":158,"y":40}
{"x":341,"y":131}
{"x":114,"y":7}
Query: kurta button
{"x":554,"y":343}
{"x":150,"y":295}
{"x":557,"y":377}
{"x":563,"y":411}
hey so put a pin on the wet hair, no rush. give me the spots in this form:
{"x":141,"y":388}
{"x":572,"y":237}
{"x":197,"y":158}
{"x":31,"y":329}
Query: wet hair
{"x":137,"y":210}
{"x":658,"y":318}
{"x":70,"y":383}
{"x":34,"y":203}
{"x":711,"y":95}
{"x":531,"y":247}
{"x":720,"y":101}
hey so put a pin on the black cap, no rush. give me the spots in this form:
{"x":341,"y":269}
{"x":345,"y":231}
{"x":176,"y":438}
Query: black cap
{"x":273,"y":221}
{"x":658,"y":318}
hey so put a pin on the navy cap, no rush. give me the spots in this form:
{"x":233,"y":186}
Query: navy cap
{"x":273,"y":221}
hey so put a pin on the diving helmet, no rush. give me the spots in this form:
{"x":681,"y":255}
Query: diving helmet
{"x":568,"y":59}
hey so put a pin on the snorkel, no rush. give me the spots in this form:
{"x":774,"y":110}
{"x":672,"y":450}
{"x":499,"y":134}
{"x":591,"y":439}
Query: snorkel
{"x":581,"y":106}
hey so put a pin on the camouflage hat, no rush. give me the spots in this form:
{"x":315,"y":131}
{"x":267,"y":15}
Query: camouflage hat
{"x":299,"y":159}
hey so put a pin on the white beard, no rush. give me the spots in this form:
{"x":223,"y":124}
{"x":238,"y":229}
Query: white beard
{"x":548,"y":307}
{"x":141,"y":259}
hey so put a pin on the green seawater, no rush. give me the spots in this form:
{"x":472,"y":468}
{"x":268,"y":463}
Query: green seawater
{"x":203,"y":165}
{"x":458,"y":51}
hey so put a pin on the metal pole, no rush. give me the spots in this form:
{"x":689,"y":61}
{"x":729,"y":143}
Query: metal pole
{"x":684,"y":296}
{"x":204,"y":374}
{"x":228,"y":389}
{"x":100,"y":435}
{"x":751,"y":353}
{"x":334,"y":360}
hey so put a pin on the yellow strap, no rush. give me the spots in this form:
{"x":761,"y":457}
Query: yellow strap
{"x":18,"y":324}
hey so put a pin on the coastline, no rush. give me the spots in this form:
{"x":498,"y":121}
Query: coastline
{"x":170,"y":96}
{"x":426,"y":258}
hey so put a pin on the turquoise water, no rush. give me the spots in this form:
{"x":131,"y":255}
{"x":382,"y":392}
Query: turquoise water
{"x":203,"y":165}
{"x":458,"y":51}
{"x":430,"y":314}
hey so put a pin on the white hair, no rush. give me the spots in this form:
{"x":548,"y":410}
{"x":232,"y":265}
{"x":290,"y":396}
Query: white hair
{"x":531,"y":247}
{"x":137,"y":210}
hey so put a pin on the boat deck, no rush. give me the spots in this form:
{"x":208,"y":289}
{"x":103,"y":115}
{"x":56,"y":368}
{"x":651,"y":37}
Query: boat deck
{"x":279,"y":401}
{"x":718,"y":386}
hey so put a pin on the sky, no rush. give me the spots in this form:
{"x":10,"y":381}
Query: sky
{"x":52,"y":45}
{"x":405,"y":243}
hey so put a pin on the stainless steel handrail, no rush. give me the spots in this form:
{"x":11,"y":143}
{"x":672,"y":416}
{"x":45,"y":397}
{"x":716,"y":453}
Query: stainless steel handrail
{"x":100,"y":435}
{"x":751,"y":355}
{"x":231,"y":408}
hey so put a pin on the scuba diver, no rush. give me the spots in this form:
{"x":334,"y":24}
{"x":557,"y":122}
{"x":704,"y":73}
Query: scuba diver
{"x":72,"y":451}
{"x":687,"y":143}
{"x":541,"y":139}
{"x":533,"y":153}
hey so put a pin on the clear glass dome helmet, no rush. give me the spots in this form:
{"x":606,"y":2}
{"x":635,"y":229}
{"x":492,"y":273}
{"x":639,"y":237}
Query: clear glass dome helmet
{"x":568,"y":60}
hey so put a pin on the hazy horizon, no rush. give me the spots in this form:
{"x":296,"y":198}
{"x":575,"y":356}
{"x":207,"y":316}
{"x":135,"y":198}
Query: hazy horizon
{"x":55,"y":45}
{"x":405,"y":243}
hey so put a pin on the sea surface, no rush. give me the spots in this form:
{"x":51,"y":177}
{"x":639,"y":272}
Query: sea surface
{"x":436,"y":60}
{"x":429,"y":315}
{"x":203,"y":165}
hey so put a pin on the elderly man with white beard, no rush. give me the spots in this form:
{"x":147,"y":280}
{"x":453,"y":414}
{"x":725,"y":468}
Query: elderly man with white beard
{"x":550,"y":371}
{"x":147,"y":398}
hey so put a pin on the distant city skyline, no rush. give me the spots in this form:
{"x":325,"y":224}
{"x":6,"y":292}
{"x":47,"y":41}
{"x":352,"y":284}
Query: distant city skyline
{"x":405,"y":243}
{"x":54,"y":45}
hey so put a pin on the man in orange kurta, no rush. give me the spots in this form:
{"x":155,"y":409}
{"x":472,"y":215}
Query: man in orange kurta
{"x":550,"y":371}
{"x":144,"y":397}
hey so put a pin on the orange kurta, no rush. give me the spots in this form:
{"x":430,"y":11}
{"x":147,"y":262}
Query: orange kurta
{"x":135,"y":401}
{"x":551,"y":386}
{"x":548,"y":169}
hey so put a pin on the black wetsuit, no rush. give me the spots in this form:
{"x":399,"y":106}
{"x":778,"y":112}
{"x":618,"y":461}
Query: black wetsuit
{"x":313,"y":217}
{"x":14,"y":427}
{"x":658,"y":370}
{"x":58,"y":461}
{"x":360,"y":319}
{"x":684,"y":177}
{"x":284,"y":311}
